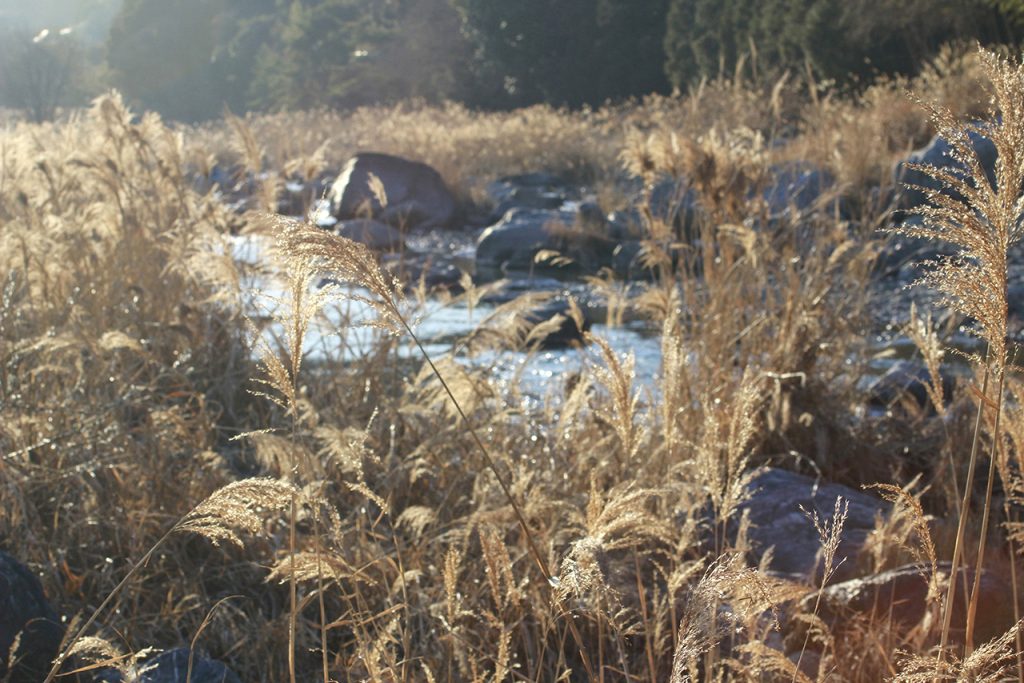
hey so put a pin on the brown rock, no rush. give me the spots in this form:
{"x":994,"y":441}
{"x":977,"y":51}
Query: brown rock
{"x":901,"y":595}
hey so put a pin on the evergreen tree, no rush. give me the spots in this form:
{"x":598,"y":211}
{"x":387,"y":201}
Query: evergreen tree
{"x":630,"y":52}
{"x":846,"y":40}
{"x":169,"y":54}
{"x":566,"y":52}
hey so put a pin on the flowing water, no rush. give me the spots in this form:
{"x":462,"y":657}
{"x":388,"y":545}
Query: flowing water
{"x":343,"y":332}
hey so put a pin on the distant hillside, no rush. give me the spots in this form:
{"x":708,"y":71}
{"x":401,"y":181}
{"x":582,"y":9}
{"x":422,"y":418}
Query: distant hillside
{"x":90,"y":19}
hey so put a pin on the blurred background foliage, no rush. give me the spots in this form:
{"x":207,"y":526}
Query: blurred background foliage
{"x":189,"y":59}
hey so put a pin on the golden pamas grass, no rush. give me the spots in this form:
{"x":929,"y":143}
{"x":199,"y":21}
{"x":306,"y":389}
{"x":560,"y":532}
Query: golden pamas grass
{"x":403,"y":552}
{"x":471,"y":148}
{"x":981,"y":220}
{"x":728,"y":596}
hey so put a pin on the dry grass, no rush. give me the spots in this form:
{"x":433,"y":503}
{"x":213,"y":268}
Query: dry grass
{"x":390,"y":520}
{"x":856,"y":139}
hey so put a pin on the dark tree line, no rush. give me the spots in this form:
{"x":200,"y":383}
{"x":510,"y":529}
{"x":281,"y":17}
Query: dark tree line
{"x":189,"y":59}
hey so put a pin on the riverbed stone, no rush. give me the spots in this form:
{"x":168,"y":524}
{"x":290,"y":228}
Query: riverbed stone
{"x":27,"y":620}
{"x":375,"y":235}
{"x":538,"y":190}
{"x":172,"y":667}
{"x":937,"y":153}
{"x":900,"y":597}
{"x":514,"y":242}
{"x":776,"y":507}
{"x":416,"y":195}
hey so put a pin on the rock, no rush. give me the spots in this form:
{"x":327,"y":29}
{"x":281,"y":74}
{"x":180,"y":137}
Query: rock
{"x":412,"y":269}
{"x":900,"y":595}
{"x":298,"y":195}
{"x":626,"y":261}
{"x":375,"y":235}
{"x":796,"y":187}
{"x":172,"y":667}
{"x":674,"y":202}
{"x":900,"y":253}
{"x":25,"y":616}
{"x":566,"y":334}
{"x":513,"y":243}
{"x":777,"y":521}
{"x":907,"y":379}
{"x":1015,"y":301}
{"x":416,"y":195}
{"x":527,"y":191}
{"x":936,"y":153}
{"x":512,"y":289}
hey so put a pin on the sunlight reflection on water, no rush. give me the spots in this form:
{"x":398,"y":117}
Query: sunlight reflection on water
{"x":342,"y":333}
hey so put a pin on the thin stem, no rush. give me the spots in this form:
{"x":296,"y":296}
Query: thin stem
{"x":807,"y":635}
{"x":292,"y":614}
{"x":947,"y":609}
{"x":648,"y":647}
{"x":320,"y":599}
{"x":972,"y":608}
{"x":1016,"y":598}
{"x":534,"y":551}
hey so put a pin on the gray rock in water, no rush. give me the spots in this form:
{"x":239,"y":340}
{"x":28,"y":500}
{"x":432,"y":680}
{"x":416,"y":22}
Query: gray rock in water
{"x":778,"y":522}
{"x":900,"y":252}
{"x":172,"y":667}
{"x":527,"y":191}
{"x":25,"y":617}
{"x":513,"y":243}
{"x":416,"y":195}
{"x":936,"y":153}
{"x":673,"y":201}
{"x":374,"y":234}
{"x":566,"y":334}
{"x":906,"y":380}
{"x":796,"y":187}
{"x":1015,"y":300}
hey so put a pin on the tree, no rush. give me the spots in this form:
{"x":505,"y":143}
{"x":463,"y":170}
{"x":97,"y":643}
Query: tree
{"x":42,"y":73}
{"x":570,"y":52}
{"x":186,"y":58}
{"x":318,"y":56}
{"x":848,"y":41}
{"x":630,"y":49}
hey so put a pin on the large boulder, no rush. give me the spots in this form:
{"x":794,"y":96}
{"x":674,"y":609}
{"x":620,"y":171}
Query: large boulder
{"x":27,"y":619}
{"x":937,"y":154}
{"x":778,"y":505}
{"x":416,"y":195}
{"x":514,"y":242}
{"x":375,"y":235}
{"x":172,"y":667}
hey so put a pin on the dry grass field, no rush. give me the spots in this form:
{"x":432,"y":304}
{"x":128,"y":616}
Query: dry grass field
{"x":174,"y":480}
